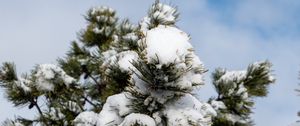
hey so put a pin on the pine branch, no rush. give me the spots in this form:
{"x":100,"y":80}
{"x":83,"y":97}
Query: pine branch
{"x":34,"y":102}
{"x":90,"y":102}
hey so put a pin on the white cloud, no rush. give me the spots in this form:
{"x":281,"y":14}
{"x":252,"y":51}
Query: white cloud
{"x":259,"y":12}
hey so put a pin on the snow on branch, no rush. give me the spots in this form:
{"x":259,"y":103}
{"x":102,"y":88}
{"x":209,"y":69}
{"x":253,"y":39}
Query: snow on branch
{"x":47,"y":74}
{"x":86,"y":118}
{"x":137,"y":119}
{"x":236,"y":90}
{"x":159,"y":14}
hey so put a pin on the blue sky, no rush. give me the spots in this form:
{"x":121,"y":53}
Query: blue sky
{"x":228,"y":34}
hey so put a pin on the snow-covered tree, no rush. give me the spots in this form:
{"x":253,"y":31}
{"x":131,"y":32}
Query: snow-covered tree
{"x":122,"y":74}
{"x":236,"y":90}
{"x":297,"y":123}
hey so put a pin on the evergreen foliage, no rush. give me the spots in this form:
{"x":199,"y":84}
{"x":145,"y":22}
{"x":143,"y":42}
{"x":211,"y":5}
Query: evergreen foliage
{"x":298,"y":90}
{"x":236,"y":90}
{"x":115,"y":74}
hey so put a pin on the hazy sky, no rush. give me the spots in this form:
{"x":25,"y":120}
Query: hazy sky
{"x":229,"y":34}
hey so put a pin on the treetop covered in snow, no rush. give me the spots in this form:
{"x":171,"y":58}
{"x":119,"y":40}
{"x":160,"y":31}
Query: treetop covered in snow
{"x":159,"y":14}
{"x":123,"y":74}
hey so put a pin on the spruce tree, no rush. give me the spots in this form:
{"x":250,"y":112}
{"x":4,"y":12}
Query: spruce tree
{"x":118,"y":73}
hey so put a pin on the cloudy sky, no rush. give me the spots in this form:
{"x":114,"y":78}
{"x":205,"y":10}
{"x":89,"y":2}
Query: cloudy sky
{"x":229,"y":34}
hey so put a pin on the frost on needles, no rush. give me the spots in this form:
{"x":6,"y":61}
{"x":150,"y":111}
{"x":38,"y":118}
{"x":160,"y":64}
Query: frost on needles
{"x":119,"y":73}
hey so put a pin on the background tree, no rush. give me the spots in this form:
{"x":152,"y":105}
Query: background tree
{"x":118,"y":73}
{"x":298,"y":121}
